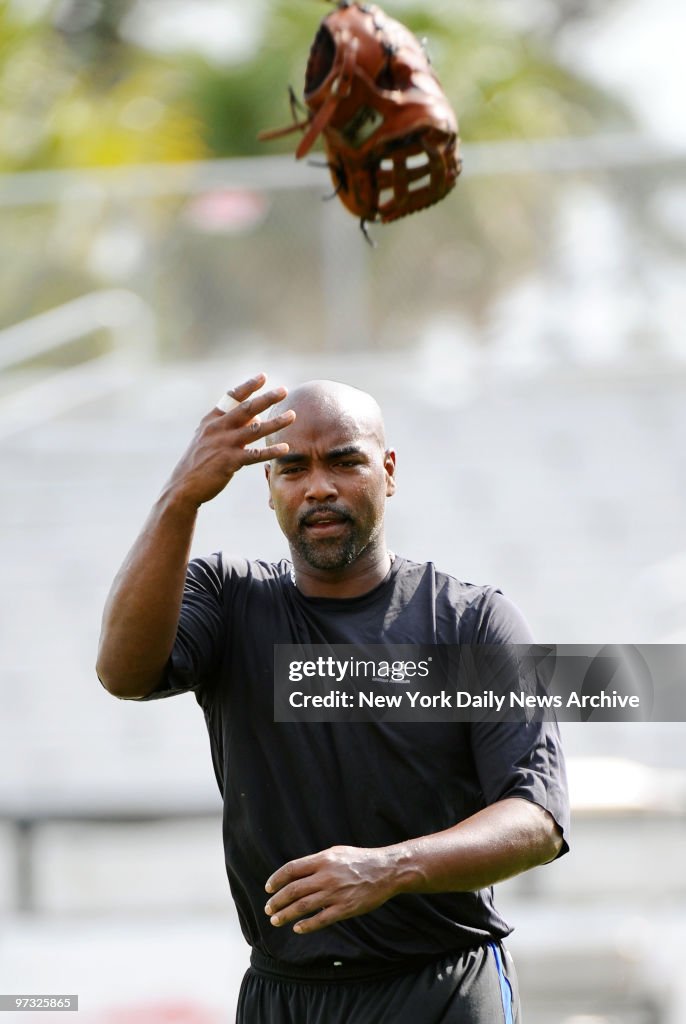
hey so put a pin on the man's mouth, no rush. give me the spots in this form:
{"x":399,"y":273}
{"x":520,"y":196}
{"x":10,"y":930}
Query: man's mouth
{"x":322,"y":523}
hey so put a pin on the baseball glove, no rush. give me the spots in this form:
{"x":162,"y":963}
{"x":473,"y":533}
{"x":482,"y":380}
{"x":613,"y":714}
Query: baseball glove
{"x":390,"y":134}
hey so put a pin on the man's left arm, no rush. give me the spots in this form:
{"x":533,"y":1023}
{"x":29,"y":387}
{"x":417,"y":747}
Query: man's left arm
{"x":500,"y":841}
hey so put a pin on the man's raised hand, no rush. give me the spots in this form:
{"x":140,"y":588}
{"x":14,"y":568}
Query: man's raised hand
{"x":226,"y":441}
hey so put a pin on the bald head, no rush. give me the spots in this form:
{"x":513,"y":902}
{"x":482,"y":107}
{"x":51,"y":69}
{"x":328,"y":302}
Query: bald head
{"x":336,"y":401}
{"x":337,"y":467}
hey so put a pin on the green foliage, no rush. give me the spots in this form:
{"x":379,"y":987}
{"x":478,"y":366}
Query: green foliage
{"x":71,"y":101}
{"x":235,"y":103}
{"x":73,"y":92}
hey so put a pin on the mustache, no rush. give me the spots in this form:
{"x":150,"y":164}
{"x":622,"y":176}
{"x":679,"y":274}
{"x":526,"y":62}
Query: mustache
{"x":332,"y":510}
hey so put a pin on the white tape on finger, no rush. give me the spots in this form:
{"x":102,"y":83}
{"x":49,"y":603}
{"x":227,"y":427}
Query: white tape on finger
{"x":226,"y":403}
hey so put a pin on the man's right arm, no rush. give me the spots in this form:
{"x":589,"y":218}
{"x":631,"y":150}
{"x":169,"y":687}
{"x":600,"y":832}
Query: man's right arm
{"x":142,"y":612}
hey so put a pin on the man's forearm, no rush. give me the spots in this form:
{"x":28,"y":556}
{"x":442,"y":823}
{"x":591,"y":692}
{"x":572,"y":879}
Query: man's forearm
{"x":496,"y":843}
{"x":142,"y":611}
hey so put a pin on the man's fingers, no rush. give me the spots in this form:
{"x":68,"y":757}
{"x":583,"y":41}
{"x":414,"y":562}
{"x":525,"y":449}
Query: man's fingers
{"x":253,"y":455}
{"x":243,"y":419}
{"x":234,"y":396}
{"x":242,"y":407}
{"x":244,"y":390}
{"x":257,"y":428}
{"x":296,"y":908}
{"x":252,"y":407}
{"x":318,"y":921}
{"x":294,"y":869}
{"x":226,"y":403}
{"x":294,"y":893}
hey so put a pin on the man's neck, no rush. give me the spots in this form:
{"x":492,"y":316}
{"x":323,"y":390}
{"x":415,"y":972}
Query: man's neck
{"x":349,"y":581}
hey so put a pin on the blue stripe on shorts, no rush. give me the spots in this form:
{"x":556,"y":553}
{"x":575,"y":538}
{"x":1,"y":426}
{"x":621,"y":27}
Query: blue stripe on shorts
{"x":505,"y":987}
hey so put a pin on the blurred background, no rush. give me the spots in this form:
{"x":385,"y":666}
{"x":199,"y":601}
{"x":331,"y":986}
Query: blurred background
{"x":525,"y":339}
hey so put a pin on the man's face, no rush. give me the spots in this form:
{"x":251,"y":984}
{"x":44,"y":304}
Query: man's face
{"x":329,"y":492}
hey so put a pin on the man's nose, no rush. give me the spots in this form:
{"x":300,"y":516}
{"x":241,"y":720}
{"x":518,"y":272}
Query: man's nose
{"x":320,"y":485}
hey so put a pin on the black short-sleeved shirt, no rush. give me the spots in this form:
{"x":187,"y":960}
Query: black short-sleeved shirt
{"x":292,"y":789}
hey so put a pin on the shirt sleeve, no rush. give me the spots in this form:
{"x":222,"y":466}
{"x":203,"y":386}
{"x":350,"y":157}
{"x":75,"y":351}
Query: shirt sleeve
{"x":519,"y":759}
{"x":501,"y":622}
{"x":201,"y":632}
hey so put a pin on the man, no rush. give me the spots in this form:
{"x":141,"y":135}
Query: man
{"x":360,"y":855}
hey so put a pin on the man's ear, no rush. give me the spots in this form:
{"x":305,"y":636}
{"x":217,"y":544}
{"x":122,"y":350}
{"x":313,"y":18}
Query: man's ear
{"x":389,"y":466}
{"x":267,"y":473}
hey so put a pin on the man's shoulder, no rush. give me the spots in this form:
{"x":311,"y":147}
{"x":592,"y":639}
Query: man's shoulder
{"x":444,"y":583}
{"x":484,"y":613}
{"x":220,"y":569}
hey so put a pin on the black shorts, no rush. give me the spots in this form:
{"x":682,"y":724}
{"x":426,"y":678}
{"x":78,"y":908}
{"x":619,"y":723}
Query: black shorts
{"x":475,"y":986}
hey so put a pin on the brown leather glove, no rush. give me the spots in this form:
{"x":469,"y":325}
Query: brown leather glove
{"x":389,"y":132}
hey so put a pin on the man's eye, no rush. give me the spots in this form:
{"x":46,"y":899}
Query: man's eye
{"x":289,"y":470}
{"x":349,"y":463}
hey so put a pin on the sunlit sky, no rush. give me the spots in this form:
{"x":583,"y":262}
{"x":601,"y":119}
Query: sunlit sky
{"x":222,"y":30}
{"x":638,"y":49}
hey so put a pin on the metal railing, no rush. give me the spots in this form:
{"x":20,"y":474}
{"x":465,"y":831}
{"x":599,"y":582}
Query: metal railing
{"x":130,"y":323}
{"x":552,"y":155}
